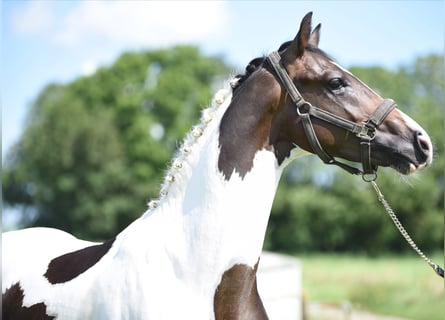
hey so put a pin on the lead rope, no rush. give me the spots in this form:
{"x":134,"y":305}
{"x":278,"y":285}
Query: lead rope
{"x":402,"y":230}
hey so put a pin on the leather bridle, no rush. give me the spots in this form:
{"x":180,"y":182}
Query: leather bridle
{"x":365,"y":131}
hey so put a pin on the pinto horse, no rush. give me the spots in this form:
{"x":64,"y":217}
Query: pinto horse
{"x":194,"y":253}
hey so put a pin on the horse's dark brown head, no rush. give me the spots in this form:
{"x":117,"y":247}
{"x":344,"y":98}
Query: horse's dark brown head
{"x":399,"y":141}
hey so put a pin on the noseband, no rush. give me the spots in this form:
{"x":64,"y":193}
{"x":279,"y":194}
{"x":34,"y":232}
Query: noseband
{"x":365,"y":131}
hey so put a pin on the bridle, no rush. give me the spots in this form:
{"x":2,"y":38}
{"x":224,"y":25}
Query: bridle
{"x":365,"y":131}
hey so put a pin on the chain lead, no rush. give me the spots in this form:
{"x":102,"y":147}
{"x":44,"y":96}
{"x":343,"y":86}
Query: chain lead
{"x":402,"y":230}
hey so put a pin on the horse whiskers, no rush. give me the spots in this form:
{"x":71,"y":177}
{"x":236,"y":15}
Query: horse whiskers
{"x":409,"y":180}
{"x":186,"y":147}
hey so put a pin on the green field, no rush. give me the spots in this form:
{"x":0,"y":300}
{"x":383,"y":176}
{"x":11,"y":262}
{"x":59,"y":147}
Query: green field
{"x":403,"y":286}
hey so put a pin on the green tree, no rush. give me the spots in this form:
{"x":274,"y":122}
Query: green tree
{"x":95,"y":150}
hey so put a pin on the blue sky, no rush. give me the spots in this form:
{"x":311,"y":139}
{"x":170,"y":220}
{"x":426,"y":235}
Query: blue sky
{"x":56,"y":41}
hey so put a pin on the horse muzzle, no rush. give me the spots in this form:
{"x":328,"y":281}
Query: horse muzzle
{"x":405,"y":155}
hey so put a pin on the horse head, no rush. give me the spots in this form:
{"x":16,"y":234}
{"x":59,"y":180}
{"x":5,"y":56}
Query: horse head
{"x":398,"y":141}
{"x":339,"y":109}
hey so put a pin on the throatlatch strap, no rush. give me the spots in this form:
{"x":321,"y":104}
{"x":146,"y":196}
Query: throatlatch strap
{"x":313,"y":140}
{"x":318,"y":149}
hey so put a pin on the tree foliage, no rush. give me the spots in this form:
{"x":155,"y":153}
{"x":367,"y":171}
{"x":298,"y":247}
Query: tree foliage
{"x":94,"y":151}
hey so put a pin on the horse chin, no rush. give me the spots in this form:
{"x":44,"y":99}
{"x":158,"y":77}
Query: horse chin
{"x":405,"y":162}
{"x":408,"y":168}
{"x":405,"y":169}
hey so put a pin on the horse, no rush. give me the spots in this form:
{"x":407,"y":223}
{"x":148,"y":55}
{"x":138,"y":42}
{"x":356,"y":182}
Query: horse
{"x":194,"y":253}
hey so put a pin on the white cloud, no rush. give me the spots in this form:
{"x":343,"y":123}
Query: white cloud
{"x":92,"y":33}
{"x":142,"y":23}
{"x":33,"y":18}
{"x":88,"y":67}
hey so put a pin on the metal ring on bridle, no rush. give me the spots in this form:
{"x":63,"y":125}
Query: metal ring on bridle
{"x":304,"y":105}
{"x":369,"y":177}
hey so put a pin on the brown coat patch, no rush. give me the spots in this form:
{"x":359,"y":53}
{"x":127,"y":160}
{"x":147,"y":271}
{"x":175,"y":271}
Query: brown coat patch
{"x":237,"y":296}
{"x":68,"y":266}
{"x":13,"y":309}
{"x":245,"y":126}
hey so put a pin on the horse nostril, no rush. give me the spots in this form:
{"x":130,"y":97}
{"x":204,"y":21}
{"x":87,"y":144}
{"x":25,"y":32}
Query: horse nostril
{"x":423,"y":144}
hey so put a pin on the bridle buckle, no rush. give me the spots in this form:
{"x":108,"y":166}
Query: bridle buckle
{"x":367,"y":131}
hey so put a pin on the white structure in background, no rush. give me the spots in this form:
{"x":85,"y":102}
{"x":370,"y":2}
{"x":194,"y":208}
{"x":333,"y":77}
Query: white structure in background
{"x":280,"y":286}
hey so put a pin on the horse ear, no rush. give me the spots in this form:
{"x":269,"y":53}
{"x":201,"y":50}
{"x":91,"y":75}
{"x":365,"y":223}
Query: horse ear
{"x":301,"y":40}
{"x":315,"y":36}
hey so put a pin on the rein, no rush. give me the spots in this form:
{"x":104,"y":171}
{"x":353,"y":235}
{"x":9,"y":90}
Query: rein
{"x":365,"y":131}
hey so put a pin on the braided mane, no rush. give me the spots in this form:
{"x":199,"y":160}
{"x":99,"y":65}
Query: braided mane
{"x":251,"y":67}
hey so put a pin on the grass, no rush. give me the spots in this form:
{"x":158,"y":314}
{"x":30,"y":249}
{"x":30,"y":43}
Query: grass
{"x":401,"y":286}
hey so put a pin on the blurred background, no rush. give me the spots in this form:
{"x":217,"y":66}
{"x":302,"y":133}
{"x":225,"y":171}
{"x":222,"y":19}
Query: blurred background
{"x":97,"y":95}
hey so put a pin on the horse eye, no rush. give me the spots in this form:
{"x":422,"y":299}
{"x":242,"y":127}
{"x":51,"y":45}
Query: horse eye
{"x":336,"y":83}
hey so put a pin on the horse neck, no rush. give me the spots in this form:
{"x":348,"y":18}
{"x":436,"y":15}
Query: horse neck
{"x":218,"y":220}
{"x":204,"y":221}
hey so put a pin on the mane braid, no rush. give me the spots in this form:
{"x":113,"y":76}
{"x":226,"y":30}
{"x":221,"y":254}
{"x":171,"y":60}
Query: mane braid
{"x":186,"y":147}
{"x":253,"y":66}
